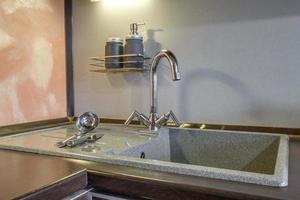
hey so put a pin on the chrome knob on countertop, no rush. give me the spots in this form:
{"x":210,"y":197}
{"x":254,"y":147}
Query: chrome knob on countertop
{"x":87,"y":122}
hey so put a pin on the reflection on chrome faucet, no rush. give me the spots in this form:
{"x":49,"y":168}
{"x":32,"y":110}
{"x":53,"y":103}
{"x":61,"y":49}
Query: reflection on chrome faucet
{"x":154,"y":122}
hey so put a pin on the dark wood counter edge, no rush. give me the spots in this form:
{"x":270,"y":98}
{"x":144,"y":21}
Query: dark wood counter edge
{"x":136,"y":186}
{"x":60,"y":188}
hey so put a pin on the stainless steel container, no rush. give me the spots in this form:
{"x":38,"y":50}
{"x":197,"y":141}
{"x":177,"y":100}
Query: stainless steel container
{"x":134,"y":45}
{"x":114,"y":52}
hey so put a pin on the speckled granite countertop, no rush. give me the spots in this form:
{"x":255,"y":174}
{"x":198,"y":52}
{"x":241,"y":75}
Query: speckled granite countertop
{"x":206,"y":153}
{"x":54,"y":165}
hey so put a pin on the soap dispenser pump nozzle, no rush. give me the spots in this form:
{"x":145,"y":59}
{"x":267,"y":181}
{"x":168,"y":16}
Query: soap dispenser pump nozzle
{"x":134,"y":30}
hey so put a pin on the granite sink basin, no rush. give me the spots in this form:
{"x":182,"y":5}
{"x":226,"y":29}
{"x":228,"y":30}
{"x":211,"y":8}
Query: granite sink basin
{"x":238,"y":156}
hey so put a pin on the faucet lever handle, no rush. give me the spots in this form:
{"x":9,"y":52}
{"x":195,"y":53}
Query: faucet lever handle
{"x":141,"y":117}
{"x":165,"y":117}
{"x":174,"y":118}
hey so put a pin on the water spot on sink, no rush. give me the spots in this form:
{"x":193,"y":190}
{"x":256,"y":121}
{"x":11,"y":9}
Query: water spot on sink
{"x":128,"y":144}
{"x":91,"y":149}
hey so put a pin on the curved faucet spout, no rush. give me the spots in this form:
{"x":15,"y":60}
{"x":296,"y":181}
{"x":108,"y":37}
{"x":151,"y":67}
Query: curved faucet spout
{"x":153,"y":80}
{"x":172,"y":61}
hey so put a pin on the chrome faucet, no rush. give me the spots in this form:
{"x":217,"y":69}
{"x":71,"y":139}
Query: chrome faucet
{"x":154,"y":122}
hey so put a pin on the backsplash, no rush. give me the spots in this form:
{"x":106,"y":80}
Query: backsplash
{"x":239,"y":59}
{"x":32,"y":55}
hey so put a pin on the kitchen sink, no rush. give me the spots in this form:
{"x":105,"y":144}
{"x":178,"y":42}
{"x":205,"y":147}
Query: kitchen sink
{"x":247,"y":157}
{"x":259,"y":158}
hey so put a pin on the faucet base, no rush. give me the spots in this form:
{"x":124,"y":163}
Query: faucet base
{"x":153,"y":122}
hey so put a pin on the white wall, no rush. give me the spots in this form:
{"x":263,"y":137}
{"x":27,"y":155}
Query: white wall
{"x":240,"y":60}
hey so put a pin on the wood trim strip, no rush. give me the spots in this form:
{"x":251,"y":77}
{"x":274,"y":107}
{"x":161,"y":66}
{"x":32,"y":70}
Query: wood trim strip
{"x":61,"y":188}
{"x":155,"y":189}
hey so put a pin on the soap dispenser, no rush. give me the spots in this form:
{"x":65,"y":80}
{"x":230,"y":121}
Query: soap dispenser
{"x":134,"y":48}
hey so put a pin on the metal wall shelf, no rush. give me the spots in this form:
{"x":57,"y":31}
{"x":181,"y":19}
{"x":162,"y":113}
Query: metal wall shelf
{"x":98,"y":64}
{"x":118,"y":70}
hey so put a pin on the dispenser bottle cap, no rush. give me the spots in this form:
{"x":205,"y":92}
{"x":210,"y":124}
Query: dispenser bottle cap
{"x":114,"y":39}
{"x":134,"y":31}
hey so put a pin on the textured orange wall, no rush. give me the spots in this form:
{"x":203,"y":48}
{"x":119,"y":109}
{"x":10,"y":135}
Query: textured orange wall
{"x":32,"y":61}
